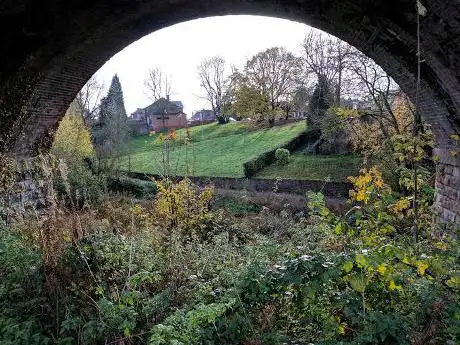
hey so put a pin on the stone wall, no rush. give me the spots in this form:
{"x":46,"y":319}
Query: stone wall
{"x":447,"y":202}
{"x":27,"y":193}
{"x":330,"y":189}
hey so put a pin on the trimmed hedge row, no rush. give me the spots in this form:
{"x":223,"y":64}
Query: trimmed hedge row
{"x":253,"y":166}
{"x":145,"y":189}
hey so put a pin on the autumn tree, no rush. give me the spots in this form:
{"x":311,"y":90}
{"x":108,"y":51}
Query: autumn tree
{"x":215,"y":83}
{"x":275,"y":73}
{"x":72,"y":140}
{"x":157,"y":84}
{"x":249,"y":102}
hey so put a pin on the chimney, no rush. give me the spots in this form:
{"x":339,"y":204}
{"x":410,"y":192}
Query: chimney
{"x":167,"y":97}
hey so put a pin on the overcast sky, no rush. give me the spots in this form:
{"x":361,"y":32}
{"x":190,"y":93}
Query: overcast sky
{"x":178,"y":49}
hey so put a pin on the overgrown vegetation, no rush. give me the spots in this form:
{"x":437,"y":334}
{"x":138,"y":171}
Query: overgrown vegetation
{"x":168,"y":263}
{"x":174,"y":271}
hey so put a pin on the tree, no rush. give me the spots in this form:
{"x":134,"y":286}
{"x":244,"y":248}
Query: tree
{"x":88,"y":100}
{"x":111,"y":132}
{"x":327,"y":57}
{"x":157,"y":84}
{"x":275,"y":73}
{"x":320,"y":101}
{"x":300,"y":100}
{"x":250,"y":102}
{"x":377,"y":87}
{"x":215,"y":84}
{"x":72,"y":140}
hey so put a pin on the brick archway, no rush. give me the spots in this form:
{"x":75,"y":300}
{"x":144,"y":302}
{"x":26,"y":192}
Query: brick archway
{"x":52,"y":47}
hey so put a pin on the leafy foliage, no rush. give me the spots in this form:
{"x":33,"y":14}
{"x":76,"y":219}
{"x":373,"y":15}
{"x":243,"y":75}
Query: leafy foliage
{"x":72,"y":140}
{"x":172,"y":271}
{"x":282,"y":156}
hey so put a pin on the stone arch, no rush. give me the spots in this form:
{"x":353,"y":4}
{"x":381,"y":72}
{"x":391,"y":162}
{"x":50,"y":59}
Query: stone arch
{"x":54,"y":46}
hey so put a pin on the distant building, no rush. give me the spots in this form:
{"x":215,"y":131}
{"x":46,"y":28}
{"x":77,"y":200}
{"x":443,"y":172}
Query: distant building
{"x":161,"y":114}
{"x":204,"y":116}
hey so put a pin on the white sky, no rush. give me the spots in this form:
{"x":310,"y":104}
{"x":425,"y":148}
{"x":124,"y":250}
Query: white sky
{"x":178,"y":49}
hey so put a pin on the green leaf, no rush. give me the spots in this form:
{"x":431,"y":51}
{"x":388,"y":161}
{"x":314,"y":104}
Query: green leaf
{"x":361,"y":261}
{"x":338,"y":228}
{"x":348,"y":266}
{"x":357,"y":284}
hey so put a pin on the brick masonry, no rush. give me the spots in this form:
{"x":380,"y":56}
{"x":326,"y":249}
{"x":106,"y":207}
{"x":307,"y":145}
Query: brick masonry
{"x":447,"y":201}
{"x":46,"y":60}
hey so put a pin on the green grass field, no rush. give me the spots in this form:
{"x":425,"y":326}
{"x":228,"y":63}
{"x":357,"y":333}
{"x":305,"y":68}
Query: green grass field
{"x":314,"y":167}
{"x":215,"y":150}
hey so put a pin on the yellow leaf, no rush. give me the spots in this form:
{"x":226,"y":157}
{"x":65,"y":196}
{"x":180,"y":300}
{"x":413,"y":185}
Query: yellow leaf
{"x":393,"y":286}
{"x":342,"y":329}
{"x":441,"y":245}
{"x":454,"y":281}
{"x":381,"y":269}
{"x":421,"y":267}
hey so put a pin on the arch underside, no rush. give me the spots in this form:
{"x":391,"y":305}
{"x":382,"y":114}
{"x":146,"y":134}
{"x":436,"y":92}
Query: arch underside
{"x":52,"y":47}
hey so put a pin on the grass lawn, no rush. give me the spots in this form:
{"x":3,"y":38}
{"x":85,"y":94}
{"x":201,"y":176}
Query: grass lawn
{"x":215,"y":150}
{"x":314,"y":167}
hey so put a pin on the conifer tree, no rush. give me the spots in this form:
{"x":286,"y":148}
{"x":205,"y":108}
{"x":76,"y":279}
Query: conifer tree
{"x":320,"y":101}
{"x":111,"y":133}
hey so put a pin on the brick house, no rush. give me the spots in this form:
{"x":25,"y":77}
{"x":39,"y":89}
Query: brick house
{"x":161,"y":114}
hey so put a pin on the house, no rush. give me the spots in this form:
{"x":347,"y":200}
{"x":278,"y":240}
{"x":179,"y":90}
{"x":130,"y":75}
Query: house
{"x":161,"y":114}
{"x":204,"y":116}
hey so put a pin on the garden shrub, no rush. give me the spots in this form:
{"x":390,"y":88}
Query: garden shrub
{"x":282,"y":156}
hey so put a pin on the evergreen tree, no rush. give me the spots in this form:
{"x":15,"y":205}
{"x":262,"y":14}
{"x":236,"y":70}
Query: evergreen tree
{"x":111,"y":132}
{"x":320,"y":101}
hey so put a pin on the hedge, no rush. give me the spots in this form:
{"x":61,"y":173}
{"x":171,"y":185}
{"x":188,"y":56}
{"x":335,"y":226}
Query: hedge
{"x":133,"y":186}
{"x":253,"y":166}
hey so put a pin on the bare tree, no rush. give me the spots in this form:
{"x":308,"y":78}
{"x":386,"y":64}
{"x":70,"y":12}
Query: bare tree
{"x":88,"y":100}
{"x":377,"y":87}
{"x":275,"y":72}
{"x":157,"y":84}
{"x":327,"y":56}
{"x":215,"y":83}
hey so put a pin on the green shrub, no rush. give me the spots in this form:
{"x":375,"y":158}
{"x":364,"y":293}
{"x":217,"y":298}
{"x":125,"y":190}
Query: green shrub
{"x":135,"y":187}
{"x":282,"y":156}
{"x":22,"y":294}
